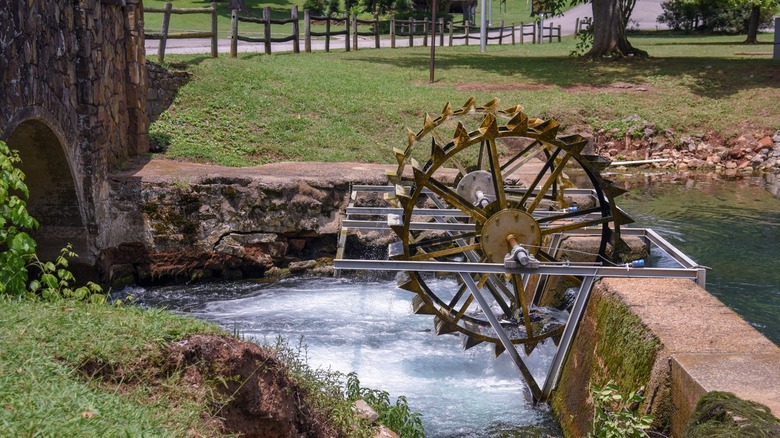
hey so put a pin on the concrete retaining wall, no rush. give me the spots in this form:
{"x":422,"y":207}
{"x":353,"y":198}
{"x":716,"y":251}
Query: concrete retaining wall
{"x":673,"y":338}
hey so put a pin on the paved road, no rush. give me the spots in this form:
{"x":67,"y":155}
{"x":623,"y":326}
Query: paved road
{"x":645,"y":14}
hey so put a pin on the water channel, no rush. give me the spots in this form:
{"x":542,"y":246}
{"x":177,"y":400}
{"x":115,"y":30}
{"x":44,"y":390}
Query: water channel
{"x":731,"y":225}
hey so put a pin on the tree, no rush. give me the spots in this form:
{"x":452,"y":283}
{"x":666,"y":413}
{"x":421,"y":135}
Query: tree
{"x":610,"y":18}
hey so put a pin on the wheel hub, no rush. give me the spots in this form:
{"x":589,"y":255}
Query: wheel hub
{"x":503,"y":223}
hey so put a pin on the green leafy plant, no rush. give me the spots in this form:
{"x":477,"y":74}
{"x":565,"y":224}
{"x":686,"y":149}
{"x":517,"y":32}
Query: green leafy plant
{"x":17,"y":248}
{"x":584,"y":42}
{"x":56,"y":282}
{"x":398,"y":417}
{"x":615,"y":415}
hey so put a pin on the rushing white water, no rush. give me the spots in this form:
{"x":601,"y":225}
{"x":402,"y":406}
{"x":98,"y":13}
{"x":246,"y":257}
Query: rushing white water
{"x":369,"y":328}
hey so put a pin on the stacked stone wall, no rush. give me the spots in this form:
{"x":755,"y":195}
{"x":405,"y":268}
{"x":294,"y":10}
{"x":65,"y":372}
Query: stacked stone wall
{"x":79,"y":67}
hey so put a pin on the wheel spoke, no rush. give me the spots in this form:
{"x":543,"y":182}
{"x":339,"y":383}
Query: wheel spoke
{"x":547,"y":166}
{"x":444,"y":252}
{"x":498,"y":178}
{"x":575,"y":225}
{"x":452,"y":197}
{"x":551,"y":179}
{"x":440,"y":241}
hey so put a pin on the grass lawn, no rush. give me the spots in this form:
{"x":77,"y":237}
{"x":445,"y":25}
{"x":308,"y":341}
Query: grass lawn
{"x":44,"y":346}
{"x":356,"y":106}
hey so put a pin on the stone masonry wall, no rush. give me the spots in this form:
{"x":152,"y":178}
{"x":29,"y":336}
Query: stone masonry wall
{"x":79,"y":68}
{"x":163,"y":86}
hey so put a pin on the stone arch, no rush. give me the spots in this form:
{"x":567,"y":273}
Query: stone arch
{"x":56,"y":196}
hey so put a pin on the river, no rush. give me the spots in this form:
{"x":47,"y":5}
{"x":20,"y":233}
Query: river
{"x":732,"y":226}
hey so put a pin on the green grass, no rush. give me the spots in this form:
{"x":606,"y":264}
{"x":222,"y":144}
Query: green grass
{"x":356,"y":106}
{"x":43,"y":393}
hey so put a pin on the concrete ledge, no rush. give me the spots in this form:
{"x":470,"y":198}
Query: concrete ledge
{"x":694,"y":342}
{"x":751,"y":376}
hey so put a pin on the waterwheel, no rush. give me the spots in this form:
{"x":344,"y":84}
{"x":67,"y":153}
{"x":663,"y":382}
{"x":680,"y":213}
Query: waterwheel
{"x":480,"y":184}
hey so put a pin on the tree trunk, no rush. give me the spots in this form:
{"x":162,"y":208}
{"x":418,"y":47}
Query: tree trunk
{"x":609,"y":32}
{"x":755,"y":15}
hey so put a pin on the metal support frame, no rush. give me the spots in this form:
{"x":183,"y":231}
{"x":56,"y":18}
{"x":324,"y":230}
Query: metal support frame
{"x":445,"y":220}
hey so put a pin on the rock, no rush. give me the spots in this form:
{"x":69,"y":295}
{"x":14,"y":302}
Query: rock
{"x":298,"y":267}
{"x":776,"y":137}
{"x":731,"y":165}
{"x":682,"y":167}
{"x":766,"y":142}
{"x":714,"y":159}
{"x":363,"y":410}
{"x":384,"y":432}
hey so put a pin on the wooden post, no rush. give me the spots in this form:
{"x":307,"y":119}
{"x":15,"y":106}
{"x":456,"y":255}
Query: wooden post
{"x":296,"y":30}
{"x":559,"y":33}
{"x":425,"y":33}
{"x":327,"y":32}
{"x":376,"y":31}
{"x":354,"y":32}
{"x":164,"y":32}
{"x":501,"y":33}
{"x":214,"y":36}
{"x":392,"y":31}
{"x":467,"y":33}
{"x":234,"y":33}
{"x":776,"y":52}
{"x":577,"y":26}
{"x":513,"y":33}
{"x":441,"y":32}
{"x":451,"y":32}
{"x":306,"y":31}
{"x":346,"y":38}
{"x":267,"y":29}
{"x":411,"y":32}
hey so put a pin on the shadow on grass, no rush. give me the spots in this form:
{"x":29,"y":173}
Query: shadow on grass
{"x":704,"y":76}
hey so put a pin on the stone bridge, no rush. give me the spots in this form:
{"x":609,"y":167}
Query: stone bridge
{"x":73,"y":103}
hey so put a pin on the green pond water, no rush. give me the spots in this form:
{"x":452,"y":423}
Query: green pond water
{"x":729,"y":224}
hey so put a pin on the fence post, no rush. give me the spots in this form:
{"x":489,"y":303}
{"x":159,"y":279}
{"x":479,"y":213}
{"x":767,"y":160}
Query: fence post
{"x":306,"y":31}
{"x":501,"y":34}
{"x":327,"y":32}
{"x":451,"y":32}
{"x":376,"y":31}
{"x":234,"y":33}
{"x":164,"y":32}
{"x":392,"y":31}
{"x":776,"y":55}
{"x":267,"y":29}
{"x":354,"y":32}
{"x":425,"y":33}
{"x":467,"y":33}
{"x":577,"y":26}
{"x":441,"y":32}
{"x":513,"y":33}
{"x":411,"y":32}
{"x":296,"y":30}
{"x":214,"y":36}
{"x":346,"y":38}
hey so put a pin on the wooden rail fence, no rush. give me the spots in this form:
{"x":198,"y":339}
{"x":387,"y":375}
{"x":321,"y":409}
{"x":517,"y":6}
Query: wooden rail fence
{"x":329,"y":22}
{"x":164,"y":34}
{"x":350,"y":27}
{"x":266,"y":21}
{"x":466,"y":33}
{"x":374,"y":31}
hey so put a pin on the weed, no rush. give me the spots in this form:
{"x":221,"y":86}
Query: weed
{"x":615,"y":415}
